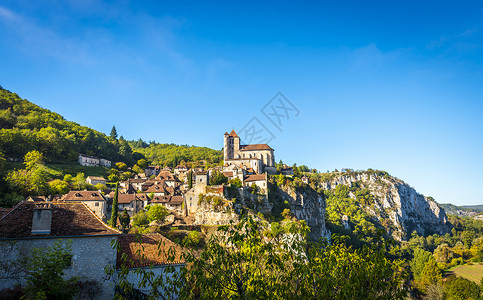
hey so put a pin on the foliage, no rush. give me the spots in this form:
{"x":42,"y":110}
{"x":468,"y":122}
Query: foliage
{"x":124,"y":219}
{"x":460,"y":288}
{"x":113,"y":134}
{"x":113,"y":221}
{"x":238,"y":262}
{"x":45,"y":271}
{"x":157,"y":213}
{"x":33,"y":179}
{"x":236,"y":181}
{"x":193,"y":239}
{"x":140,"y":219}
{"x":26,"y":127}
{"x":58,"y":186}
{"x":217,"y":178}
{"x":172,"y":155}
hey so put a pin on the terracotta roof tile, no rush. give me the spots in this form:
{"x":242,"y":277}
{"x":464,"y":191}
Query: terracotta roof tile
{"x":255,"y":147}
{"x":255,"y":177}
{"x":154,"y":247}
{"x":83,"y":196}
{"x":233,"y":134}
{"x":68,"y":219}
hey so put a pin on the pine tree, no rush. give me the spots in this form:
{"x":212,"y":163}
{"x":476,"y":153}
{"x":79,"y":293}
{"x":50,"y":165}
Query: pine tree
{"x":114,"y":207}
{"x":114,"y":132}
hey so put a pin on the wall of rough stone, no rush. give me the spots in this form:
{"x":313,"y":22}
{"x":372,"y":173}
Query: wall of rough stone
{"x":89,"y":257}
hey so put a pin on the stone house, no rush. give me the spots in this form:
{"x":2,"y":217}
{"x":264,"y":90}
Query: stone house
{"x":105,"y":163}
{"x":39,"y":225}
{"x":260,"y":181}
{"x":155,"y":248}
{"x":95,"y":180}
{"x":131,"y":202}
{"x":152,"y":170}
{"x":93,"y":199}
{"x":286,"y":170}
{"x":88,"y":161}
{"x":173,"y":203}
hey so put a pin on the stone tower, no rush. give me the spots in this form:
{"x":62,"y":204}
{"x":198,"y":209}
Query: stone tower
{"x":231,"y":145}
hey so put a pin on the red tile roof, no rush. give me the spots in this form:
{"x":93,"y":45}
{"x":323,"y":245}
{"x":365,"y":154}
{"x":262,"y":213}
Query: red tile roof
{"x":96,"y":178}
{"x":255,"y":177}
{"x":255,"y":147}
{"x":83,"y":196}
{"x":127,"y":198}
{"x":68,"y":219}
{"x":154,"y":248}
{"x":233,"y":134}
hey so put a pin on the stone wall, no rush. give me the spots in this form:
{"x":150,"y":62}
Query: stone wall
{"x":90,"y":255}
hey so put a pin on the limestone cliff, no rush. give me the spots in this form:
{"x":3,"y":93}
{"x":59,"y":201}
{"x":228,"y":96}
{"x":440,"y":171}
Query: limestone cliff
{"x":394,"y":201}
{"x":305,"y":204}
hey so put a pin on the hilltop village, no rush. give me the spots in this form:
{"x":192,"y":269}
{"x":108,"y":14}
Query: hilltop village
{"x":81,"y":216}
{"x":180,"y":189}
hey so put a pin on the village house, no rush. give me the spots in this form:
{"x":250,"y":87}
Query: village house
{"x":39,"y":225}
{"x":88,"y":161}
{"x":93,"y":199}
{"x":286,"y":170}
{"x":152,"y":170}
{"x":259,"y":180}
{"x":132,"y":203}
{"x":155,"y":258}
{"x":104,"y":162}
{"x":92,"y":161}
{"x":95,"y":180}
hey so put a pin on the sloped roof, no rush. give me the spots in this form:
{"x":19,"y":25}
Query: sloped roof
{"x":154,"y":248}
{"x":83,"y":196}
{"x":68,"y":219}
{"x":254,"y":177}
{"x":233,"y":134}
{"x":96,"y":178}
{"x":127,"y":198}
{"x":255,"y":147}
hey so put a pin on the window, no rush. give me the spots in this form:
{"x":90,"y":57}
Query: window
{"x":97,"y":204}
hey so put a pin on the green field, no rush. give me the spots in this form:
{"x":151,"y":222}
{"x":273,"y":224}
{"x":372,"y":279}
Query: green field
{"x":59,"y":170}
{"x":471,"y":272}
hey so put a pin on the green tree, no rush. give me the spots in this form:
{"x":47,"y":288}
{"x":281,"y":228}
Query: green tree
{"x":142,"y":163}
{"x":238,"y":262}
{"x":113,"y":221}
{"x":45,"y":273}
{"x":79,"y":182}
{"x":421,"y":257}
{"x":217,"y":178}
{"x":157,"y":213}
{"x":113,"y":132}
{"x":190,"y":179}
{"x":140,"y":219}
{"x":124,"y":219}
{"x":58,"y":186}
{"x":121,"y":166}
{"x":33,"y":179}
{"x":459,"y":288}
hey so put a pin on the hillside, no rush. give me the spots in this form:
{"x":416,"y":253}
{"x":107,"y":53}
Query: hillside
{"x":25,"y":126}
{"x":465,"y":211}
{"x":360,"y":202}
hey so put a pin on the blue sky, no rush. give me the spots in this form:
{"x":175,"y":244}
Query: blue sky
{"x":391,"y":85}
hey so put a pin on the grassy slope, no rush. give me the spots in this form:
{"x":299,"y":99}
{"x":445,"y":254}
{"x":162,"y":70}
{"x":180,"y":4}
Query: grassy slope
{"x":59,"y":170}
{"x":471,"y":272}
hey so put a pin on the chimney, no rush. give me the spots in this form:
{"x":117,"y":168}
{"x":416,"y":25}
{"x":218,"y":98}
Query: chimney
{"x":42,"y":220}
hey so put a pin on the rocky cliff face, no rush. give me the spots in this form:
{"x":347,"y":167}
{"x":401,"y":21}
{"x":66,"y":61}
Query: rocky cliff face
{"x":306,"y":205}
{"x":406,"y":209}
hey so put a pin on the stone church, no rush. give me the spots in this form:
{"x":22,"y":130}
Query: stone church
{"x":260,"y":157}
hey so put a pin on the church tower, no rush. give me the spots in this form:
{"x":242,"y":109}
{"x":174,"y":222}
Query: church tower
{"x":231,"y":145}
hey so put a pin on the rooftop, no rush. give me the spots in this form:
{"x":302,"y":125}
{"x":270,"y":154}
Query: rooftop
{"x":68,"y":219}
{"x":255,"y":177}
{"x":255,"y":147}
{"x":83,"y":196}
{"x":155,"y":249}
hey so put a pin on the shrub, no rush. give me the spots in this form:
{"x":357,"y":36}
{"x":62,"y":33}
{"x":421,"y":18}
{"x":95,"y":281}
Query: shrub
{"x":140,"y":219}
